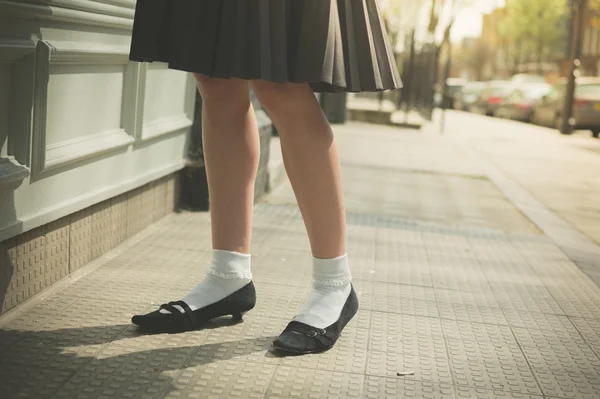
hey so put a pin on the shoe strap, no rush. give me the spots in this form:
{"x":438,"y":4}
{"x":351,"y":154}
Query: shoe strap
{"x":321,"y":335}
{"x":188,"y":312}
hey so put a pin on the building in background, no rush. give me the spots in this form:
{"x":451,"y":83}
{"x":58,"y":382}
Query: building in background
{"x":590,"y":46}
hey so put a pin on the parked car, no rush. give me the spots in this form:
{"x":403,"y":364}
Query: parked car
{"x":521,"y":100}
{"x":454,"y":86}
{"x":586,"y":106}
{"x":521,"y":78}
{"x":491,"y":97}
{"x":468,"y":95}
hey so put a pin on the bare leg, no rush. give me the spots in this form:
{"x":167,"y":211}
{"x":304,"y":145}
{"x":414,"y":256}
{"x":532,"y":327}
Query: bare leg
{"x":313,"y":166}
{"x":231,"y":151}
{"x":311,"y":161}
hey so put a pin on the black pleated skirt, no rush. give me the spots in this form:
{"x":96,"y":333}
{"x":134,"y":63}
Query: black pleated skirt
{"x":334,"y":45}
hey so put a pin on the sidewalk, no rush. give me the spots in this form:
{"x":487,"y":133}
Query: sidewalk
{"x":461,"y":296}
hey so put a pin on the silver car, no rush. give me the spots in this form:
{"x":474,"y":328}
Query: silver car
{"x":586,"y":106}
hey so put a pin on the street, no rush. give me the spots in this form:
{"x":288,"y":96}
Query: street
{"x":474,"y":254}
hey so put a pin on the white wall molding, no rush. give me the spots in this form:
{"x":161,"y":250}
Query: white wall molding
{"x":172,"y":124}
{"x":165,"y":126}
{"x":11,"y":172}
{"x":56,"y":211}
{"x":91,"y":13}
{"x":19,"y":55}
{"x":47,"y":157}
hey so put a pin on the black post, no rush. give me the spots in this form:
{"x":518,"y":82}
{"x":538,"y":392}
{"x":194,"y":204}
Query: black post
{"x":576,"y":34}
{"x":410,"y":82}
{"x":445,"y":86}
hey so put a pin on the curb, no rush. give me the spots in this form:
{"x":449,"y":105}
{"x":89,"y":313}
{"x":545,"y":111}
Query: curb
{"x":581,"y":250}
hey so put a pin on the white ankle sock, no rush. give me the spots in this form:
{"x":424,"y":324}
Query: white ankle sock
{"x":229,"y":272}
{"x":331,"y":288}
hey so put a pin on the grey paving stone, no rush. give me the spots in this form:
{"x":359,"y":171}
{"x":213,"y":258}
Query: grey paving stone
{"x":338,"y":359}
{"x":580,"y":361}
{"x":223,"y":380}
{"x":565,"y":384}
{"x":246,"y":342}
{"x":86,"y":385}
{"x":519,"y":379}
{"x":472,"y":313}
{"x":399,"y":323}
{"x":29,"y":382}
{"x":294,"y":382}
{"x":89,"y":312}
{"x":279,"y":301}
{"x":9,"y":337}
{"x":588,"y":328}
{"x":134,"y":338}
{"x":400,"y":387}
{"x":34,"y":318}
{"x":466,"y":298}
{"x":488,"y":353}
{"x":479,"y":393}
{"x":49,"y":354}
{"x":535,"y":320}
{"x":423,"y":368}
{"x":408,"y":343}
{"x":560,"y":337}
{"x":478,"y":332}
{"x":130,"y":362}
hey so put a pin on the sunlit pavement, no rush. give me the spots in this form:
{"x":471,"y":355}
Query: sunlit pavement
{"x":472,"y":253}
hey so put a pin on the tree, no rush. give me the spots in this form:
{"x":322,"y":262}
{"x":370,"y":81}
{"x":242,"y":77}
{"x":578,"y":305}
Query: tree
{"x":534,"y":28}
{"x":400,"y":16}
{"x":476,"y":57}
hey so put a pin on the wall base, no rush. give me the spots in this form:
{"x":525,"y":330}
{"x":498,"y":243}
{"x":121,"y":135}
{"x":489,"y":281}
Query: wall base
{"x":35,"y":260}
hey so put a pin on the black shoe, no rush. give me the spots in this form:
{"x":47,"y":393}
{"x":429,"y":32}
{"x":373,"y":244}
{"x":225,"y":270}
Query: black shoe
{"x":235,"y":304}
{"x":299,"y":338}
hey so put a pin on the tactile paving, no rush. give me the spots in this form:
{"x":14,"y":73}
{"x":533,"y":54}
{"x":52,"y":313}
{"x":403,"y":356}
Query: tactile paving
{"x":399,"y":323}
{"x":294,"y":382}
{"x":423,"y":368}
{"x":491,"y":353}
{"x":536,"y":320}
{"x":339,"y":358}
{"x":472,"y":313}
{"x":85,"y":385}
{"x":35,"y":351}
{"x":581,"y":360}
{"x":223,"y":380}
{"x":560,"y":337}
{"x":400,"y":387}
{"x":249,"y":341}
{"x":29,"y":382}
{"x":564,"y":384}
{"x":129,"y":362}
{"x":133,"y":337}
{"x":478,"y":332}
{"x":512,"y":378}
{"x":479,"y":393}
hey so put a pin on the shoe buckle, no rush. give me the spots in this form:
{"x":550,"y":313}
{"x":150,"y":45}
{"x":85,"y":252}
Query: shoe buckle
{"x":313,"y":333}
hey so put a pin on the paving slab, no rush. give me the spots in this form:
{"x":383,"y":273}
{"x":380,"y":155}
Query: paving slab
{"x":462,"y":296}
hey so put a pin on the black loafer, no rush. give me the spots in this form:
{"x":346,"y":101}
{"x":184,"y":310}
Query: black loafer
{"x":299,"y":338}
{"x":236,"y":305}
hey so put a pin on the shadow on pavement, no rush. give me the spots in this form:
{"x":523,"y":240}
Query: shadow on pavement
{"x":82,"y":351}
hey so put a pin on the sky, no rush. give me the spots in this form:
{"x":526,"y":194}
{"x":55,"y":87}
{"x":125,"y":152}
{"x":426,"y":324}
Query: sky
{"x":469,"y":21}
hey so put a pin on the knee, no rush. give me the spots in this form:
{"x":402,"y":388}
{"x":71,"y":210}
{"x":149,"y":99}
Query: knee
{"x":222,"y":92}
{"x":278,"y":98}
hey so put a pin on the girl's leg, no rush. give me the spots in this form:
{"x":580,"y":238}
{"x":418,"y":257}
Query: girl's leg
{"x":231,"y":152}
{"x":313,"y":166}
